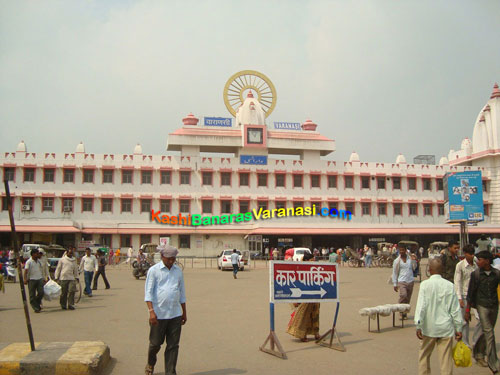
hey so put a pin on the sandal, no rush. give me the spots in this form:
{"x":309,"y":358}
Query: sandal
{"x":149,"y":370}
{"x":317,"y":337}
{"x":304,"y":339}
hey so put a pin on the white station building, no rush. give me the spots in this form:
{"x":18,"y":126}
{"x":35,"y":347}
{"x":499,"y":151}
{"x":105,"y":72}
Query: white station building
{"x":226,"y":166}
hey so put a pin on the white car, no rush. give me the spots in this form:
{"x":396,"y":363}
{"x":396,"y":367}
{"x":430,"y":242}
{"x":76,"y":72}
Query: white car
{"x":296,"y":253}
{"x":224,"y":260}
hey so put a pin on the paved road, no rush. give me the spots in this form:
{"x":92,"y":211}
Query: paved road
{"x":227,"y":321}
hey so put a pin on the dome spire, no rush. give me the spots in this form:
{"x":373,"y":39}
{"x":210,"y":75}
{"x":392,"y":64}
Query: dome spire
{"x":496,"y":92}
{"x":250,"y":94}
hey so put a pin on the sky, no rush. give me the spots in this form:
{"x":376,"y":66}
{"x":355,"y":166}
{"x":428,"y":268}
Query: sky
{"x":379,"y":77}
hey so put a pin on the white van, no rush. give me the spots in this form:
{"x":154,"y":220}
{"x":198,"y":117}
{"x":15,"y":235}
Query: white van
{"x":27,"y":247}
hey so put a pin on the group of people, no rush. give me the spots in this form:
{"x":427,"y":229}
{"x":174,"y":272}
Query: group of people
{"x":36,"y":274}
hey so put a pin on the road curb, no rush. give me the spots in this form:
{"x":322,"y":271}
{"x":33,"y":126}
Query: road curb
{"x":54,"y":358}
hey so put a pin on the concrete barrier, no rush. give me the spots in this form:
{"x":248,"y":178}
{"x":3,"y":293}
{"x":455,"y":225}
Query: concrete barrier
{"x":54,"y":358}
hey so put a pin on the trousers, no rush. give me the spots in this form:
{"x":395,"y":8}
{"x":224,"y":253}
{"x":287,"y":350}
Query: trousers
{"x":166,"y":330}
{"x":100,"y":272}
{"x":445,"y":353}
{"x":405,"y":292}
{"x":35,"y":288}
{"x":88,"y":280}
{"x":68,"y":289}
{"x":485,"y":346}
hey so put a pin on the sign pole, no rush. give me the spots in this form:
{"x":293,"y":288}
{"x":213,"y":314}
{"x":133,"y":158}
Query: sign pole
{"x":333,"y":334}
{"x":272,"y":338}
{"x":19,"y":265}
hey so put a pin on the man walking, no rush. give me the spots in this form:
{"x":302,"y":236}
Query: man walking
{"x":33,"y":277}
{"x":438,"y":318}
{"x":101,"y":270}
{"x":235,"y":261}
{"x":67,"y":272}
{"x":88,"y":264}
{"x":165,"y":297}
{"x":449,"y":261}
{"x":402,"y":276}
{"x":462,"y":278}
{"x":482,"y":295}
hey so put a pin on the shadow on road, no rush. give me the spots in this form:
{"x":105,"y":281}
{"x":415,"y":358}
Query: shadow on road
{"x":224,"y":371}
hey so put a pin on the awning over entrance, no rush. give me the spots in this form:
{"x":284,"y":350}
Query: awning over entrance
{"x":371,"y":231}
{"x":41,"y":229}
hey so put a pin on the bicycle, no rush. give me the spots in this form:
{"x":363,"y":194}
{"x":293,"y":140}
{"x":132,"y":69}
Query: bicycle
{"x":78,"y":292}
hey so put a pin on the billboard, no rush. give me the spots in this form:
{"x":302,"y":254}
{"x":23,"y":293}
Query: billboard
{"x":218,"y":121}
{"x":287,"y":125}
{"x":463,"y":196}
{"x":303,"y":282}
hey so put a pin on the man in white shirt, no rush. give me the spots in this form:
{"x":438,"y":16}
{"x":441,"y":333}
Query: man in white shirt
{"x":461,"y":282}
{"x":402,"y":276}
{"x":235,"y":261}
{"x":438,"y":318}
{"x":33,"y":277}
{"x":88,"y":264}
{"x":67,"y":273}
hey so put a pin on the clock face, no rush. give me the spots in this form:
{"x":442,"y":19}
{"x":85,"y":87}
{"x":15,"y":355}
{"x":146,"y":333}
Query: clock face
{"x":254,"y":136}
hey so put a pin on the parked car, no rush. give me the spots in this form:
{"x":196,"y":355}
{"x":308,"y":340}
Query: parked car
{"x":224,"y":260}
{"x":27,"y":247}
{"x":296,"y":253}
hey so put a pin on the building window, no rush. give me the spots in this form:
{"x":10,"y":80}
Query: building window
{"x":382,"y":209}
{"x":9,"y":173}
{"x":439,"y":184}
{"x":107,"y":176}
{"x":206,"y":178}
{"x":106,"y":240}
{"x":184,"y":205}
{"x":441,"y":209}
{"x":280,"y":179}
{"x":87,"y":204}
{"x":244,"y":179}
{"x":297,"y":204}
{"x":280,"y":204}
{"x":315,"y":180}
{"x":145,"y":205}
{"x":48,"y":174}
{"x":225,"y":206}
{"x":426,"y":182}
{"x":316,"y":204}
{"x":126,"y":205}
{"x":427,"y":209}
{"x":206,"y":206}
{"x":348,"y":182}
{"x":165,"y":205}
{"x":244,"y":206}
{"x":365,"y":208}
{"x":332,"y":181}
{"x":29,"y":174}
{"x":486,"y":210}
{"x":88,"y":176}
{"x":47,"y":204}
{"x":297,"y":180}
{"x":145,"y":238}
{"x":67,"y":204}
{"x":69,"y":175}
{"x":184,"y":241}
{"x":166,"y":177}
{"x":5,"y":207}
{"x":28,"y":204}
{"x":147,"y":177}
{"x":381,"y":183}
{"x":412,"y":183}
{"x":396,"y":183}
{"x":262,"y":204}
{"x":106,"y":205}
{"x":349,"y":206}
{"x":365,"y":182}
{"x":333,"y":205}
{"x":185,"y":178}
{"x":485,"y":186}
{"x":413,"y":209}
{"x":127,"y":176}
{"x":262,"y":179}
{"x":125,"y":240}
{"x":398,"y":210}
{"x":225,"y":179}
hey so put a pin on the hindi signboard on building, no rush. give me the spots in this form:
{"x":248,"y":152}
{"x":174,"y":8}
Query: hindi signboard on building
{"x":463,"y":196}
{"x":287,"y":125}
{"x":303,"y":282}
{"x":218,"y":121}
{"x":253,"y":159}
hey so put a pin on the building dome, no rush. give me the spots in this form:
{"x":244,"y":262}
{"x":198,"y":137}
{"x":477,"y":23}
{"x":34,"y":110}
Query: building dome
{"x":21,"y":147}
{"x":450,"y":154}
{"x":80,"y":147}
{"x":138,"y":149}
{"x":250,"y":112}
{"x":400,"y":159}
{"x":190,"y":120}
{"x":466,"y":144}
{"x":354,"y":157}
{"x":309,"y":125}
{"x":486,"y":133}
{"x":443,"y":161}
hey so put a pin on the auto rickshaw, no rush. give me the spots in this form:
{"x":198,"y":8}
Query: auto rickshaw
{"x":412,"y":247}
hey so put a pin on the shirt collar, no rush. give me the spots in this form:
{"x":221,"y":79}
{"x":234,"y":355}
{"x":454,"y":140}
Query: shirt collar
{"x":164,"y":266}
{"x":436,"y":276}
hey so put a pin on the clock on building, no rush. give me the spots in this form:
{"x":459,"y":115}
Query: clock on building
{"x":254,"y":136}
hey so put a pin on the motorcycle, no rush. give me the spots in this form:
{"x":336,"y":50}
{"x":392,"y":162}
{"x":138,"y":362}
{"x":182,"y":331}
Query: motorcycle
{"x":11,"y":274}
{"x":141,"y":269}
